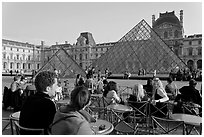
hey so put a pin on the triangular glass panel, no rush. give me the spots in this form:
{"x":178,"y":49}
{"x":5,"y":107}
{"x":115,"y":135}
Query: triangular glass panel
{"x":140,"y":48}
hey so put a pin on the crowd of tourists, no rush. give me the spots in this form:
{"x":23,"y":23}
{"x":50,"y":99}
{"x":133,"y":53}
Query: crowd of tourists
{"x":39,"y":110}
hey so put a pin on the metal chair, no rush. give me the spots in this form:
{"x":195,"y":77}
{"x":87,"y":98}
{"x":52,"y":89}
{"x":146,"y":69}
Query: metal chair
{"x":141,"y":115}
{"x":167,"y":126}
{"x":7,"y":120}
{"x":125,"y":125}
{"x":27,"y":131}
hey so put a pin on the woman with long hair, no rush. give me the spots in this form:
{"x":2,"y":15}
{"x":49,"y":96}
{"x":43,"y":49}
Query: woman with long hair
{"x":138,"y":93}
{"x":159,"y":96}
{"x":110,"y":93}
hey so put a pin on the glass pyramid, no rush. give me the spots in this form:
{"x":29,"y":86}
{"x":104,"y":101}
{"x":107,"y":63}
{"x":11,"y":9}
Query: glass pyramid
{"x":63,"y":63}
{"x":140,"y":48}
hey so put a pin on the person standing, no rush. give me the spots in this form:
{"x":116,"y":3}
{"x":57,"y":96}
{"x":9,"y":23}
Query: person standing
{"x":38,"y":110}
{"x":17,"y":91}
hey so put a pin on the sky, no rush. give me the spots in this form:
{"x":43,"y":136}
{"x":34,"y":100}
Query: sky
{"x":53,"y":22}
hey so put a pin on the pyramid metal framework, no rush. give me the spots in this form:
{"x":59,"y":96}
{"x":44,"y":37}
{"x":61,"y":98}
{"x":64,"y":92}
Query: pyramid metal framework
{"x":140,"y":48}
{"x":64,"y":63}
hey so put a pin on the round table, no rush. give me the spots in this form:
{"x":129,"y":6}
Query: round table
{"x":108,"y":127}
{"x":188,"y":119}
{"x":15,"y":116}
{"x":119,"y":107}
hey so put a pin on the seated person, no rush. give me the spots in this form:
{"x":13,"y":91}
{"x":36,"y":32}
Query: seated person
{"x":148,"y":87}
{"x":188,"y":94}
{"x":159,"y":96}
{"x":38,"y":110}
{"x":171,"y":89}
{"x":110,"y":93}
{"x":72,"y":119}
{"x":17,"y":93}
{"x":138,"y":94}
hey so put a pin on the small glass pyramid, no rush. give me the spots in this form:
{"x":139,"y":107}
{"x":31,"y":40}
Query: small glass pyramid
{"x":64,"y":64}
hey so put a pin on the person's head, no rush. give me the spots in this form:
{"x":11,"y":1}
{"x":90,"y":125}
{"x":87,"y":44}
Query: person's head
{"x":46,"y":81}
{"x":78,"y":76}
{"x":80,"y":97}
{"x":149,"y":82}
{"x":81,"y":81}
{"x":138,"y":91}
{"x":17,"y":78}
{"x":169,"y":79}
{"x":157,"y":83}
{"x":192,"y":83}
{"x":112,"y":86}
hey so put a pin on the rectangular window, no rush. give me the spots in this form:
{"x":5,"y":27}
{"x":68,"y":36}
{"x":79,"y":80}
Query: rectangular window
{"x":200,"y":51}
{"x":199,"y":42}
{"x":17,"y":56}
{"x":190,"y":42}
{"x":190,"y":51}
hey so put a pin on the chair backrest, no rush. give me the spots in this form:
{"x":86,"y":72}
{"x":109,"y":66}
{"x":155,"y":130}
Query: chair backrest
{"x":140,"y":108}
{"x":167,"y":126}
{"x":159,"y":110}
{"x":29,"y":131}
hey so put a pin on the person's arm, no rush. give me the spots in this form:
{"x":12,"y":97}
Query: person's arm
{"x":13,"y":86}
{"x":163,"y":94}
{"x":84,"y":129}
{"x":116,"y":97}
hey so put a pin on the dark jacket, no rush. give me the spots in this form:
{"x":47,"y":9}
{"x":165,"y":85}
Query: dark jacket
{"x":37,"y":112}
{"x":190,"y":94}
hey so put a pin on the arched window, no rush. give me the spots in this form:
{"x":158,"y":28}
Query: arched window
{"x":5,"y":65}
{"x":199,"y":64}
{"x":29,"y":65}
{"x":176,"y":34}
{"x":18,"y":65}
{"x":190,"y":64}
{"x":38,"y":66}
{"x":80,"y":64}
{"x":24,"y":66}
{"x":11,"y":65}
{"x":80,"y":56}
{"x":165,"y":35}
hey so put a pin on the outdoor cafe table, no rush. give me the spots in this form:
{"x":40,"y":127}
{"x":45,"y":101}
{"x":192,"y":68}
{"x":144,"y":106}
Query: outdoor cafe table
{"x":119,"y":107}
{"x":119,"y":110}
{"x":188,"y":119}
{"x":108,"y":127}
{"x":14,"y":117}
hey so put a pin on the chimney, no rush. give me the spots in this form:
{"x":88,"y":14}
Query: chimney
{"x":153,"y":20}
{"x":66,"y":42}
{"x":56,"y":43}
{"x":181,"y":17}
{"x":42,"y":43}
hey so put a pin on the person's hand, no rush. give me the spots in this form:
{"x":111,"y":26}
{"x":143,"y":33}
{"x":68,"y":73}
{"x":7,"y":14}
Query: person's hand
{"x":154,"y":102}
{"x":21,"y":91}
